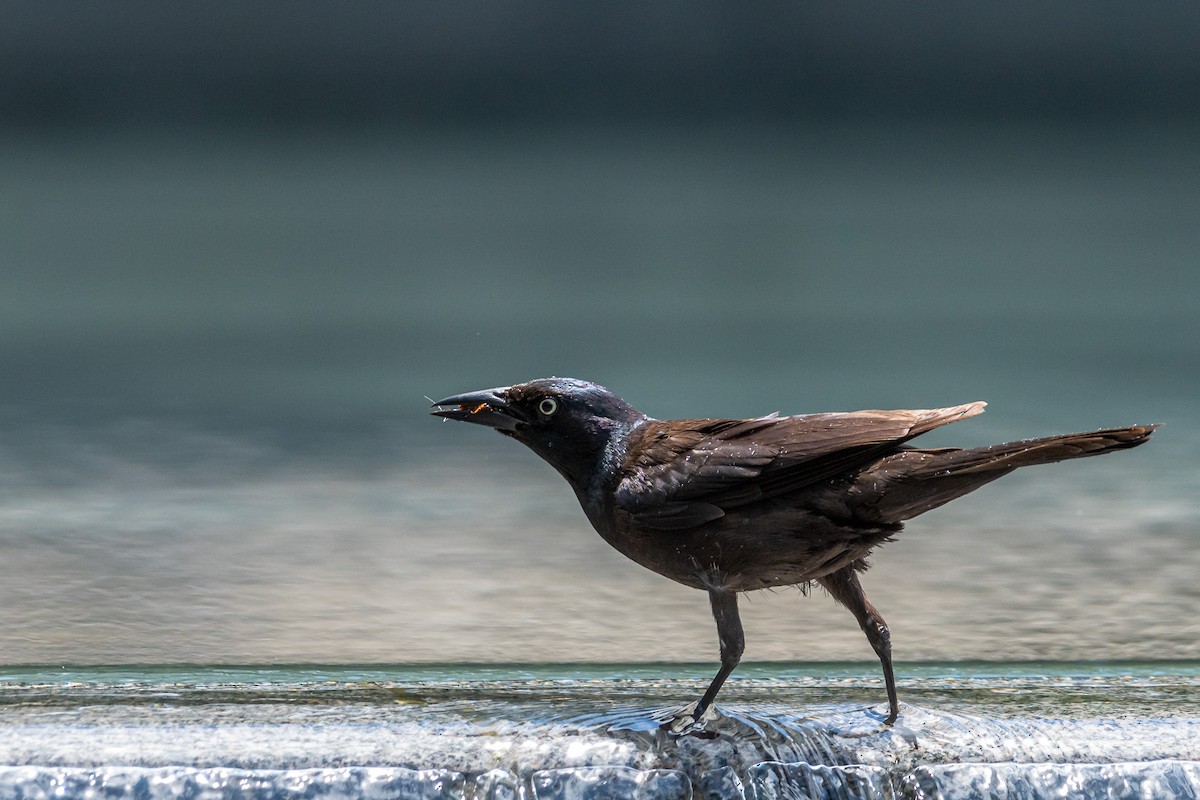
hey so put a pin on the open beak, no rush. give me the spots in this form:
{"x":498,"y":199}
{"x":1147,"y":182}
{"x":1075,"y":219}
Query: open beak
{"x":487,"y":407}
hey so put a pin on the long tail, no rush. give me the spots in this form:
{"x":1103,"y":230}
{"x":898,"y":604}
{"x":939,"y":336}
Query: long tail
{"x":914,"y":481}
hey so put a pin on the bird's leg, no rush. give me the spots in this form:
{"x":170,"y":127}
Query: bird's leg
{"x":846,"y":589}
{"x":733,"y":642}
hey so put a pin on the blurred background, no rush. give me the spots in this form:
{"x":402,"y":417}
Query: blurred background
{"x":242,"y":246}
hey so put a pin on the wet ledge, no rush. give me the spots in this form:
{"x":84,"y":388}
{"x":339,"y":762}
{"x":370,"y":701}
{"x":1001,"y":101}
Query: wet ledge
{"x":988,"y":731}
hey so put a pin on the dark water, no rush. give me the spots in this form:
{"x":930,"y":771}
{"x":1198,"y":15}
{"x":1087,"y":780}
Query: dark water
{"x":214,"y":449}
{"x":214,"y":444}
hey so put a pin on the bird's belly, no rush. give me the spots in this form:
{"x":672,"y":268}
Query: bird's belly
{"x":744,"y":553}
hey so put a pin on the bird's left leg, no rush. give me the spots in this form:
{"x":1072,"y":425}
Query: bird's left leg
{"x":733,"y":642}
{"x":846,"y":589}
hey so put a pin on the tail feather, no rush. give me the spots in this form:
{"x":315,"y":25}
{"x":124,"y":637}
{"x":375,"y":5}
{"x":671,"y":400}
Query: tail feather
{"x":914,"y":481}
{"x":1029,"y":452}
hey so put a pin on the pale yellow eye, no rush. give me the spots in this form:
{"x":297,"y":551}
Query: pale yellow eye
{"x":548,"y":406}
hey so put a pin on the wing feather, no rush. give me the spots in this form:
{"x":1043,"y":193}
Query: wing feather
{"x":679,"y":474}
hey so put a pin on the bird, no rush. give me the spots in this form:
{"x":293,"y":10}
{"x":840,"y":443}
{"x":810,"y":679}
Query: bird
{"x":730,"y":506}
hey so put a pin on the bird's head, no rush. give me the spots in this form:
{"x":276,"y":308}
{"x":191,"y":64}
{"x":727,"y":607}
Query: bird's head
{"x":567,"y":422}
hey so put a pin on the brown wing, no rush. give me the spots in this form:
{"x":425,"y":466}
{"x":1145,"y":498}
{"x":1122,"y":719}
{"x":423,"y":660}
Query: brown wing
{"x":679,"y":474}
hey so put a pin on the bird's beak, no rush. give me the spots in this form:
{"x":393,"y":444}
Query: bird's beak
{"x":486,"y":407}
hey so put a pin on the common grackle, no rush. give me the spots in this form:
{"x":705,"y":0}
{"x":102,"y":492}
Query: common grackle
{"x":732,"y":505}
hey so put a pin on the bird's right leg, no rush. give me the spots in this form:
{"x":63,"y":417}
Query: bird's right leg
{"x":846,"y":589}
{"x":733,"y":642}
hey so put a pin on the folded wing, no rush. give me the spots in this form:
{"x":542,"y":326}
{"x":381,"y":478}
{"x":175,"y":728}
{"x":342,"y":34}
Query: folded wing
{"x":679,"y":474}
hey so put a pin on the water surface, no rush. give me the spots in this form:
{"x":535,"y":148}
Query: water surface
{"x":555,"y":730}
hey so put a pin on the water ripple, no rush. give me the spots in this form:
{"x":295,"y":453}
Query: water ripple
{"x":324,"y":733}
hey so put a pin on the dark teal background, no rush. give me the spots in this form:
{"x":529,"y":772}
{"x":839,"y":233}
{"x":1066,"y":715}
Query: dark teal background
{"x":241,"y":246}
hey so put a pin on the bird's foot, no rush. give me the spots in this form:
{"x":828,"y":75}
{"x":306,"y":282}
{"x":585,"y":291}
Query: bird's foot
{"x":890,"y":720}
{"x":685,"y":722}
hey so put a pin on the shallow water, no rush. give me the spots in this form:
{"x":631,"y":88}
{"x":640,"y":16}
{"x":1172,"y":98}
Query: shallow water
{"x":966,"y":730}
{"x":481,"y":554}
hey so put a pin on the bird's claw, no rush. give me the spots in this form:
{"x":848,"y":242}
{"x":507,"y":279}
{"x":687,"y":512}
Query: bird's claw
{"x":685,"y":722}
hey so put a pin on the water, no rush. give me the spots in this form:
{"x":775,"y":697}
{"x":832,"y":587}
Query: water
{"x":214,"y":449}
{"x":592,"y":731}
{"x":244,"y":556}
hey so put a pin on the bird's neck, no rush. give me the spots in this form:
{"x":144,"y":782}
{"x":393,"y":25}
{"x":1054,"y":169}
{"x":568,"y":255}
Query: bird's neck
{"x":588,"y":455}
{"x":596,"y":477}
